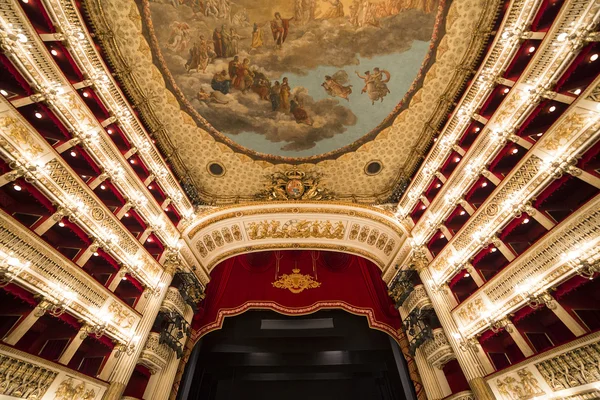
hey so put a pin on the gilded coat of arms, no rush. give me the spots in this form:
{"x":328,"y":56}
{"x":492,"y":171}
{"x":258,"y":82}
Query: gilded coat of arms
{"x":296,"y":282}
{"x":294,"y":185}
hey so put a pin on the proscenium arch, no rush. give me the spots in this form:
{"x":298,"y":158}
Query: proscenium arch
{"x":402,"y":366}
{"x":368,"y":232}
{"x":346,"y":282}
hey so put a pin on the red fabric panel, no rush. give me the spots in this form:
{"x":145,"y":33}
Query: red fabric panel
{"x":570,"y":285}
{"x":138,"y":382}
{"x":234,"y":288}
{"x":455,"y":377}
{"x":555,"y":185}
{"x":135,"y":283}
{"x":539,"y":15}
{"x":574,"y":65}
{"x":70,"y":320}
{"x":21,"y":294}
{"x":40,"y":198}
{"x":7,"y":64}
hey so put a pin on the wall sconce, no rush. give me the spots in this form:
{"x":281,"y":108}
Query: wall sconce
{"x":10,"y":268}
{"x":584,"y":267}
{"x":535,"y":300}
{"x":57,"y":302}
{"x":466,"y":344}
{"x":96,"y":328}
{"x":127,"y":348}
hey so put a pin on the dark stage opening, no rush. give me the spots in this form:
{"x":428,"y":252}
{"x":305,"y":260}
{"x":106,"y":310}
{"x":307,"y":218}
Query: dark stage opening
{"x":330,"y":354}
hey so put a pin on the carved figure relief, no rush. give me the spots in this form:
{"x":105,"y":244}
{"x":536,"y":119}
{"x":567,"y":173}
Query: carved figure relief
{"x":295,"y":229}
{"x":524,"y":388}
{"x":69,"y":389}
{"x":121,"y":315}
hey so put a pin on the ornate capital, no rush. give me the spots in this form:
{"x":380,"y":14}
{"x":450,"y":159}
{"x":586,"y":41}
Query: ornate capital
{"x":172,"y":262}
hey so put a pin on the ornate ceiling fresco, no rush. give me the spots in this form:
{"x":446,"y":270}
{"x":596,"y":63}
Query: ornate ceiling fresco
{"x":290,"y":78}
{"x":303,"y":103}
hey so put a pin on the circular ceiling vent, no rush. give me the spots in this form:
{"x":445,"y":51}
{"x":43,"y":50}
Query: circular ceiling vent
{"x":373,"y":167}
{"x":215,"y":169}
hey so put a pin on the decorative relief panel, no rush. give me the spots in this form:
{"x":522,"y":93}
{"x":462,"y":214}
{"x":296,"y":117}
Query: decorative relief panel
{"x":295,"y":229}
{"x":565,"y":371}
{"x":29,"y":377}
{"x":332,"y":226}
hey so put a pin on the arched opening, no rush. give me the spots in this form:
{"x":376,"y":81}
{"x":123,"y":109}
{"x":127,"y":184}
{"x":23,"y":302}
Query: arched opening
{"x":265,"y":355}
{"x":302,"y":287}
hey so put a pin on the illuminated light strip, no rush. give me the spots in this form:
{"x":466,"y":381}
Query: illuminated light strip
{"x":34,"y":155}
{"x":36,"y":252}
{"x":558,"y":58}
{"x":66,"y":17}
{"x":538,"y":269}
{"x":547,"y":163}
{"x":508,"y":42}
{"x":68,"y":106}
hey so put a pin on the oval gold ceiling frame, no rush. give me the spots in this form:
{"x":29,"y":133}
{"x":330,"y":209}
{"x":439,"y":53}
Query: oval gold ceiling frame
{"x":428,"y":61}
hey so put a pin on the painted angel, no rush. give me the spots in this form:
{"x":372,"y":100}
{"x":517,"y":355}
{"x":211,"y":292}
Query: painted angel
{"x":334,"y":85}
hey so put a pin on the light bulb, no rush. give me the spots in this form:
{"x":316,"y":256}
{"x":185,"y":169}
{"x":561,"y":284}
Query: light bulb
{"x":102,"y":187}
{"x":526,"y":221}
{"x":506,"y":90}
{"x":552,"y":109}
{"x":532,"y":49}
{"x":132,"y":161}
{"x":467,"y":275}
{"x":484,"y":184}
{"x":494,"y":250}
{"x":456,"y":159}
{"x":109,"y":131}
{"x":3,"y":92}
{"x":61,"y":224}
{"x":54,"y":52}
{"x":126,"y":214}
{"x":477,"y":129}
{"x":593,"y":57}
{"x":73,"y":154}
{"x":462,"y":213}
{"x":515,"y":151}
{"x":17,"y":188}
{"x":438,"y":186}
{"x":577,"y":92}
{"x":38,"y":115}
{"x":86,"y":94}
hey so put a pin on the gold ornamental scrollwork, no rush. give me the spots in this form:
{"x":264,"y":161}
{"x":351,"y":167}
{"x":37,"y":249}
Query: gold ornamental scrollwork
{"x":21,"y":136}
{"x":296,"y":282}
{"x":294,"y":185}
{"x":295,"y":229}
